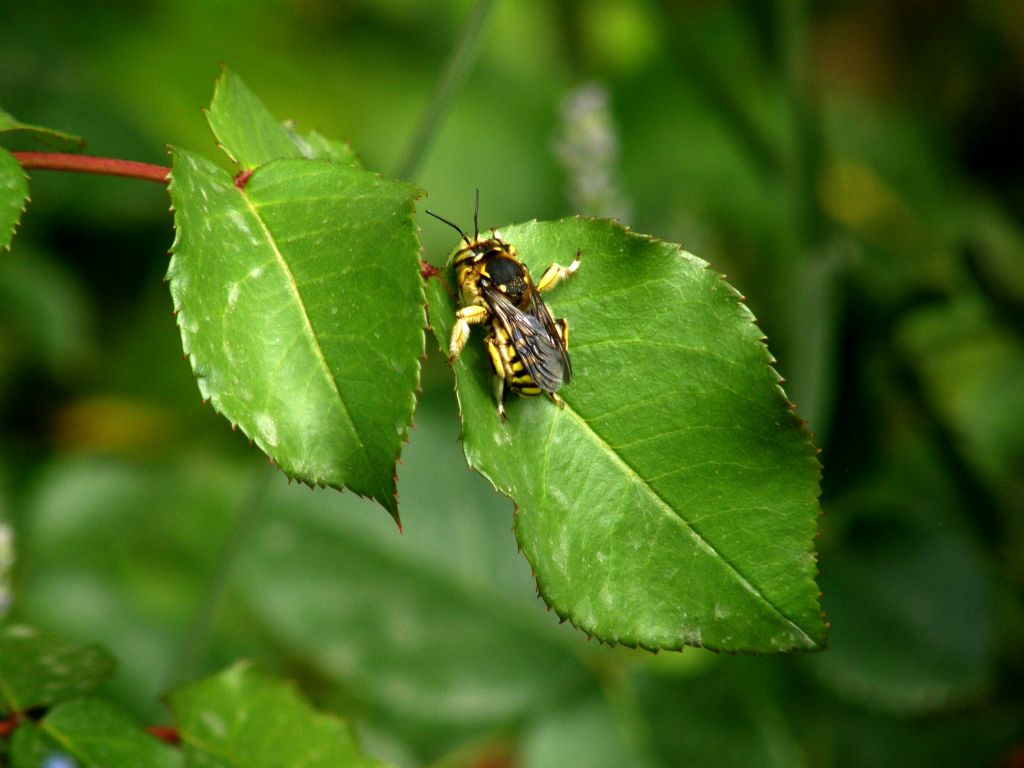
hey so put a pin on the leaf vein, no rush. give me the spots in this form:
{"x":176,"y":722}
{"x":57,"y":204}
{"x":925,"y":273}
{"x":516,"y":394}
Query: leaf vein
{"x":313,"y":343}
{"x":667,"y":508}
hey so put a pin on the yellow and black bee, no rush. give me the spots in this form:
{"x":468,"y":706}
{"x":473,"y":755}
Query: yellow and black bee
{"x":528,"y":348}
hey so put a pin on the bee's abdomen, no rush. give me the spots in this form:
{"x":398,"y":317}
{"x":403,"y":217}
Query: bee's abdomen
{"x":508,"y":364}
{"x":522,"y":382}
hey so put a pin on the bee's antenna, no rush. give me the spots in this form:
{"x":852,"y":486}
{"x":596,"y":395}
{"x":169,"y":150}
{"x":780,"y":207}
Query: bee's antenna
{"x":476,"y":212}
{"x":456,"y":227}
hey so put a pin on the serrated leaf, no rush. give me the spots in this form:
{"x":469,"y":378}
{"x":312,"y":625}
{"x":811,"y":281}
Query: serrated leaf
{"x":249,"y":134}
{"x":315,"y":146}
{"x":241,"y":717}
{"x":90,"y":733}
{"x":38,"y":671}
{"x":673,"y":500}
{"x":13,"y":131}
{"x":301,"y":309}
{"x":13,"y":196}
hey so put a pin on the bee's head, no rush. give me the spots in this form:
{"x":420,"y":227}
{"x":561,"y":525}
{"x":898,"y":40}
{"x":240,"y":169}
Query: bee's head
{"x":505,"y":272}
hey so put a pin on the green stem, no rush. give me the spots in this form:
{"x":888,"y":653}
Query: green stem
{"x":806,"y":156}
{"x":810,"y":275}
{"x":197,"y":636}
{"x":457,"y":68}
{"x":620,"y":692}
{"x":108,"y":166}
{"x":691,"y":54}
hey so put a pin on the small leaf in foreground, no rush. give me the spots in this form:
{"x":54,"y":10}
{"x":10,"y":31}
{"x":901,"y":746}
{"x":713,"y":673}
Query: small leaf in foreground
{"x":301,"y":309}
{"x":90,"y":733}
{"x":38,"y":671}
{"x":250,"y":135}
{"x":673,"y":500}
{"x":242,"y":717}
{"x":13,"y":196}
{"x":16,"y":134}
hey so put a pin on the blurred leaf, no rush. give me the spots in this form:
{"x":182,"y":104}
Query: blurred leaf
{"x":438,"y":632}
{"x":732,"y":715}
{"x":90,"y":733}
{"x":8,"y":556}
{"x":38,"y":671}
{"x":646,"y":503}
{"x":993,"y":248}
{"x":120,"y":551}
{"x":45,"y":314}
{"x":908,"y":597}
{"x":301,"y":308}
{"x":972,"y":371}
{"x":241,"y":717}
{"x":13,"y":196}
{"x":250,"y":135}
{"x":983,"y":736}
{"x":14,"y":132}
{"x":109,"y":424}
{"x":589,"y":733}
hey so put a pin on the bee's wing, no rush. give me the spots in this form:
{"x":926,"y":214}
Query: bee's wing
{"x":538,"y":309}
{"x":536,"y":342}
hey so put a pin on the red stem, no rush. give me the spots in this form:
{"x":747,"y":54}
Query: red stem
{"x":166,"y":733}
{"x":58,"y":161}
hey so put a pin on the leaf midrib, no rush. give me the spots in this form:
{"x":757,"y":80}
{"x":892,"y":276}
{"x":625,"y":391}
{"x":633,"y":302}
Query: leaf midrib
{"x":668,"y":510}
{"x":310,"y":333}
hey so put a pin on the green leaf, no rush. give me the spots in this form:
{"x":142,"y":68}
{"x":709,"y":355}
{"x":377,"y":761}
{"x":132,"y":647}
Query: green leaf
{"x":94,"y":734}
{"x":673,"y":500}
{"x":318,"y":147}
{"x":300,"y":306}
{"x":13,"y":196}
{"x":250,"y":135}
{"x":15,"y":132}
{"x":38,"y":671}
{"x":241,"y":717}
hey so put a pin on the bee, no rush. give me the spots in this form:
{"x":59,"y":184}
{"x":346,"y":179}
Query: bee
{"x":529,"y":349}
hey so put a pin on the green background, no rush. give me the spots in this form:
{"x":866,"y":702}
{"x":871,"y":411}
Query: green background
{"x":855,"y":168}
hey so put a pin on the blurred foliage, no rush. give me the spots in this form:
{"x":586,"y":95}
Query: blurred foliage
{"x":857,"y":170}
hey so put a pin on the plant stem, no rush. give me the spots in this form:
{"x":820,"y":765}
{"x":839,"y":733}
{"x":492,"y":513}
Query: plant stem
{"x":704,"y":74}
{"x":109,"y":166}
{"x":457,"y":68}
{"x":806,"y":158}
{"x":197,"y":637}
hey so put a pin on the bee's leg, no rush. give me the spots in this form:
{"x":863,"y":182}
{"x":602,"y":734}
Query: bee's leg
{"x":556,"y":273}
{"x":473,"y":314}
{"x":556,"y":399}
{"x":562,"y":326}
{"x":499,"y":396}
{"x":501,"y":371}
